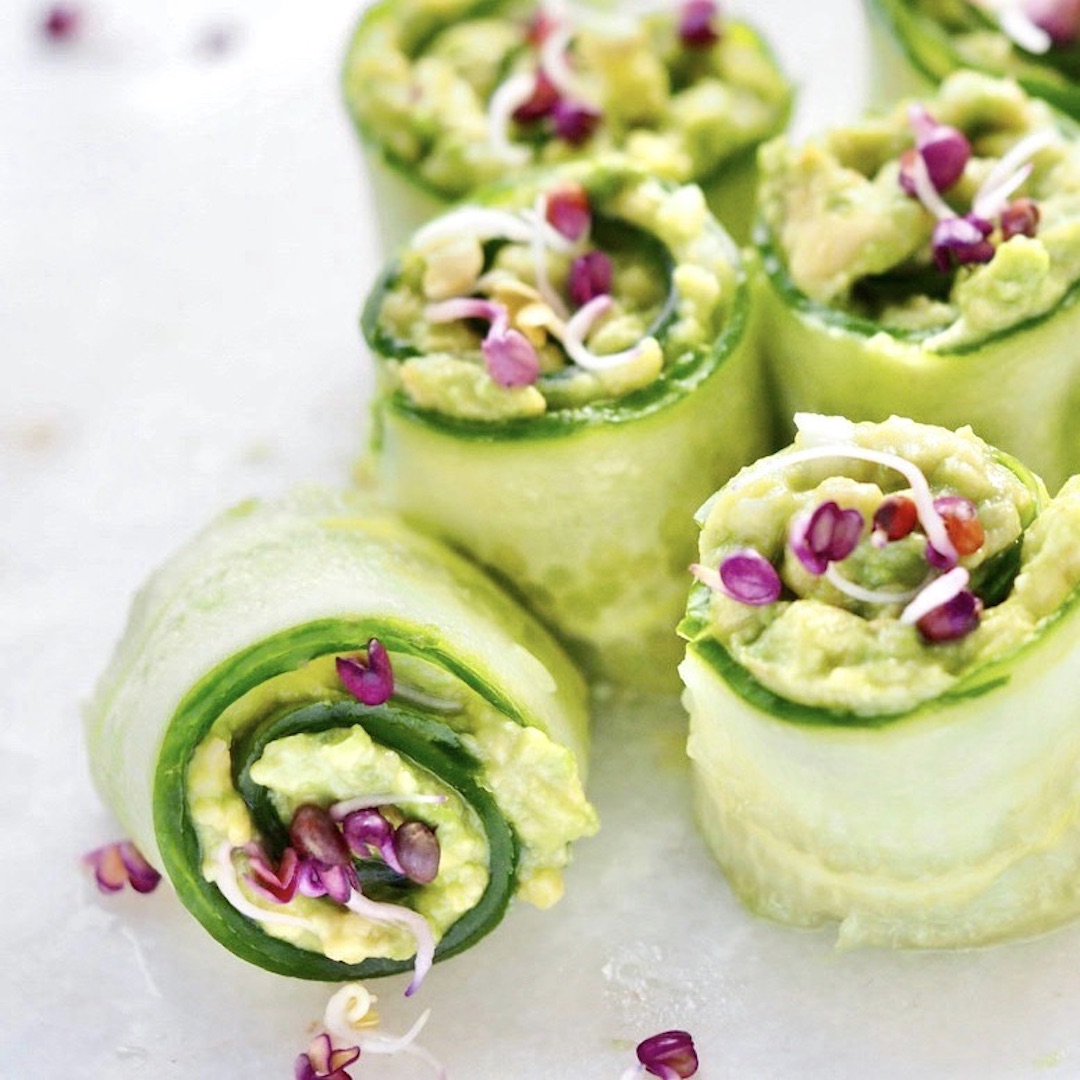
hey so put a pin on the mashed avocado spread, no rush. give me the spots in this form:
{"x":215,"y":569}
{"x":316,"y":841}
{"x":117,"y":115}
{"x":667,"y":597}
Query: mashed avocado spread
{"x":863,"y":623}
{"x":461,"y":92}
{"x":949,"y":250}
{"x":573,"y":286}
{"x":533,"y":779}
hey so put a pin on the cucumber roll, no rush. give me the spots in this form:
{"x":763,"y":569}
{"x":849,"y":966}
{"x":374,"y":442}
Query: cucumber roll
{"x":451,"y":95}
{"x":1035,"y":42}
{"x":883,"y":684}
{"x":565,"y":370}
{"x":342,"y":744}
{"x":925,"y":262}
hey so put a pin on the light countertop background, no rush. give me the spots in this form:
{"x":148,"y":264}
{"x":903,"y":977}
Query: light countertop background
{"x":185,"y":240}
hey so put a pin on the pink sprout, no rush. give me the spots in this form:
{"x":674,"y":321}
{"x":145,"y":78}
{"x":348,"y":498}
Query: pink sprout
{"x":119,"y":864}
{"x":824,"y":535}
{"x":669,"y":1055}
{"x":747,"y":576}
{"x":418,"y":852}
{"x":1060,"y":19}
{"x":574,"y":122}
{"x":590,"y":277}
{"x":371,"y":683}
{"x":541,"y":102}
{"x":323,"y":1062}
{"x":277,"y":885}
{"x":1019,"y":218}
{"x":62,"y":22}
{"x":698,"y":24}
{"x":960,"y":241}
{"x":568,"y":211}
{"x":954,"y":619}
{"x":510,"y":357}
{"x":945,"y":150}
{"x":368,"y":832}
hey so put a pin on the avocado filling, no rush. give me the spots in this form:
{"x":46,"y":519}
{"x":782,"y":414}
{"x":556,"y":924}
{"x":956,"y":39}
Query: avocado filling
{"x":946,"y":222}
{"x":463,"y":91}
{"x":874,"y":566}
{"x":339,"y":844}
{"x":587,"y":292}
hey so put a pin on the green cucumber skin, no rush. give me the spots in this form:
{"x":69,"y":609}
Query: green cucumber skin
{"x":262,"y":590}
{"x":1019,"y":391}
{"x":953,"y":825}
{"x":589,"y":517}
{"x":407,"y":200}
{"x":434,"y":748}
{"x":927,"y":50}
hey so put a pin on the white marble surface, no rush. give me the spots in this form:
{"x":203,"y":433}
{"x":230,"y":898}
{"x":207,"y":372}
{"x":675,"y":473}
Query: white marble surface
{"x":186,"y":240}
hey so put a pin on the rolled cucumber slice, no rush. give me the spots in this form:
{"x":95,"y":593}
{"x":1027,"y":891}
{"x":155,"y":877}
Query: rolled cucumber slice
{"x":425,"y":83}
{"x":583,"y":505}
{"x":861,"y":321}
{"x":848,"y":769}
{"x":222,"y":713}
{"x":934,"y":38}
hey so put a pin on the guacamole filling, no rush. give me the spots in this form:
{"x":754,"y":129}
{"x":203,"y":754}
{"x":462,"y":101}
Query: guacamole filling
{"x":460,"y":92}
{"x":871,"y":567}
{"x":338,"y":844}
{"x":946,"y":222}
{"x":581,"y":286}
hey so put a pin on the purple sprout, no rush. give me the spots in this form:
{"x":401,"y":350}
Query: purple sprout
{"x":590,"y":277}
{"x":962,"y":241}
{"x":698,"y":24}
{"x":568,"y":211}
{"x":371,"y":683}
{"x":954,"y":619}
{"x":119,"y":864}
{"x":826,"y":534}
{"x":1060,"y":19}
{"x":945,"y":150}
{"x":669,"y":1055}
{"x":747,"y":576}
{"x":574,"y":122}
{"x":323,"y":1062}
{"x":62,"y":23}
{"x":1019,"y":218}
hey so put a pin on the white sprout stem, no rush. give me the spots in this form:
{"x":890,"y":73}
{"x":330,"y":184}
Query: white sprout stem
{"x":540,"y":265}
{"x":989,"y":202}
{"x":483,"y":223}
{"x":1001,"y":175}
{"x":572,"y":337}
{"x":341,"y":810}
{"x":935,"y":594}
{"x":428,"y":701}
{"x":927,"y":194}
{"x":228,"y":882}
{"x":508,"y":97}
{"x":869,"y":596}
{"x":348,"y":1021}
{"x":1016,"y":25}
{"x":554,"y":64}
{"x":708,"y":576}
{"x":378,"y":1043}
{"x":932,"y":522}
{"x":415,"y":923}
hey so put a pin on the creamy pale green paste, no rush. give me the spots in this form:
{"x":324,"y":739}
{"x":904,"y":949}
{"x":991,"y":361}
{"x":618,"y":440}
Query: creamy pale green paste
{"x":851,"y":238}
{"x":820,"y":647}
{"x":533,"y":780}
{"x":420,"y":74}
